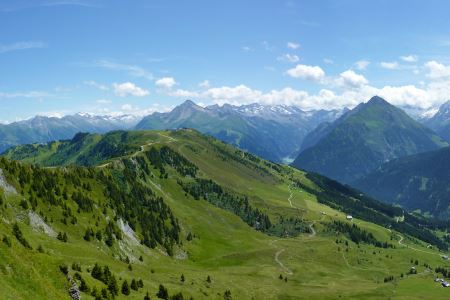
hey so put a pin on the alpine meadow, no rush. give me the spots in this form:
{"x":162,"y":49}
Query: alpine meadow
{"x":224,"y":150}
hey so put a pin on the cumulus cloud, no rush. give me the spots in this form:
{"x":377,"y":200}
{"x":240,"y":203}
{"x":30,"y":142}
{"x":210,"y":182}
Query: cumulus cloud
{"x":180,"y":93}
{"x":351,"y":79}
{"x":313,"y":73}
{"x":235,"y":94}
{"x":328,"y":61}
{"x":291,"y":58}
{"x":389,"y":65}
{"x":129,"y":89}
{"x":293,"y":46}
{"x":437,"y":70}
{"x":362,"y":64}
{"x":351,"y":89}
{"x":165,"y":82}
{"x":409,"y":58}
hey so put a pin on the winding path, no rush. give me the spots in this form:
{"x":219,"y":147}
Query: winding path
{"x":277,"y":259}
{"x":291,"y":194}
{"x":142,"y":148}
{"x":313,"y":231}
{"x":412,"y":248}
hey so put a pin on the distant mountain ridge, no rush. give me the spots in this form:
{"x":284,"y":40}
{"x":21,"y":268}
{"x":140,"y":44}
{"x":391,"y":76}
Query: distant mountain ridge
{"x":440,"y":122}
{"x":42,"y":129}
{"x":420,"y":181}
{"x":272,"y":132}
{"x":364,"y":138}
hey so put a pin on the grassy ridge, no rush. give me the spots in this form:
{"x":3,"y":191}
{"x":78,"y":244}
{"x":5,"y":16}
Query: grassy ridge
{"x":318,"y":264}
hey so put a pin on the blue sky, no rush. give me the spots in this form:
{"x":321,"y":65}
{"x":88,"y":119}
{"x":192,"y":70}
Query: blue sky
{"x":64,"y":56}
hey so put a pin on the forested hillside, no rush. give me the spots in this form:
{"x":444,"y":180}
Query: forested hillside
{"x":176,"y":214}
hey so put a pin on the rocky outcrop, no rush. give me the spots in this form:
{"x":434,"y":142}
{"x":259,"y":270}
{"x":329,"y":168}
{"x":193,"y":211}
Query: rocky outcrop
{"x":5,"y":185}
{"x":74,"y":291}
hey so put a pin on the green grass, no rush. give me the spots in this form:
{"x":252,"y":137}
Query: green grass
{"x":236,"y":256}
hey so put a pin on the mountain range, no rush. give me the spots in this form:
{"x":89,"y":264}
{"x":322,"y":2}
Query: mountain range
{"x":271,"y":132}
{"x":42,"y":129}
{"x":363,"y":139}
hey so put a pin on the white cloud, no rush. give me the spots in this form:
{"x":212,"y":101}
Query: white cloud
{"x":28,"y":94}
{"x":166,"y":82}
{"x":247,"y":49}
{"x":21,"y":46}
{"x":129,"y":89}
{"x":127,"y":107}
{"x":362,"y":64}
{"x":409,"y":58}
{"x":103,"y":101}
{"x":314,"y":73}
{"x":292,"y":58}
{"x":293,"y":46}
{"x":352,"y":88}
{"x":234,"y":95}
{"x":96,"y":85}
{"x":204,"y":84}
{"x":180,"y":93}
{"x":407,"y":95}
{"x":133,"y":70}
{"x":328,"y":61}
{"x":437,"y":70}
{"x":267,"y":46}
{"x":389,"y":65}
{"x":351,"y":79}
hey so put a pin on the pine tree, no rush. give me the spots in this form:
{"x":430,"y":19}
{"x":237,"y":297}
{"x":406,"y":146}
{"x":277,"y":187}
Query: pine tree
{"x":134,"y":285}
{"x":64,"y":269}
{"x":112,"y":286}
{"x":208,"y":279}
{"x":146,"y":297}
{"x":162,"y":293}
{"x":227,"y":295}
{"x":140,"y":283}
{"x":178,"y":296}
{"x":125,"y":288}
{"x":97,"y":272}
{"x":182,"y":278}
{"x":83,"y":286}
{"x":6,"y":241}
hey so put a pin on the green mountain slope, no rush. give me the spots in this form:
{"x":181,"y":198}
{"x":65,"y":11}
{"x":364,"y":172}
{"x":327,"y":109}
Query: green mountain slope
{"x":201,"y":218}
{"x":420,"y":181}
{"x":274,"y":133}
{"x":363,"y":139}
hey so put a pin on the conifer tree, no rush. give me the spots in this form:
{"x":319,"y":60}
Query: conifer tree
{"x":125,"y":288}
{"x":134,"y":285}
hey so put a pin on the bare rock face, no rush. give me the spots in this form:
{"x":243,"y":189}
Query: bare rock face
{"x":38,"y":224}
{"x":74,"y":291}
{"x":5,"y":185}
